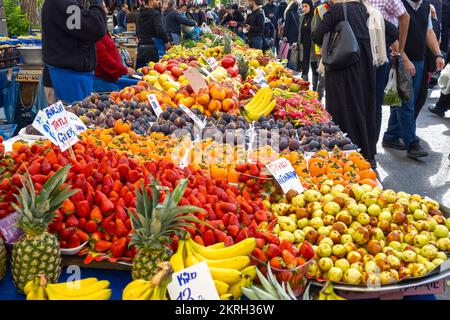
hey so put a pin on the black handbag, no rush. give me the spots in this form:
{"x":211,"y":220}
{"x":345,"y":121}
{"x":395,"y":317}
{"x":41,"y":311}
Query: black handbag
{"x":340,"y":48}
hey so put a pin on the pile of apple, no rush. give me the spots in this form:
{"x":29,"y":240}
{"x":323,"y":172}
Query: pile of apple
{"x":228,"y":62}
{"x":363,"y":235}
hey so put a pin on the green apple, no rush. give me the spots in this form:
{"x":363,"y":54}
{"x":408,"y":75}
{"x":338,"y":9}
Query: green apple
{"x":441,"y":231}
{"x":447,"y":223}
{"x":326,"y":240}
{"x":418,"y":270}
{"x":339,"y":251}
{"x":419,"y":214}
{"x":323,"y":231}
{"x":371,"y":267}
{"x":437,"y":262}
{"x":361,"y":235}
{"x":394,"y":261}
{"x":302,"y":223}
{"x":328,"y":220}
{"x":362,"y":207}
{"x":353,"y":209}
{"x":335,"y":274}
{"x":369,"y":198}
{"x":299,"y":236}
{"x":409,"y":256}
{"x":312,"y":196}
{"x":324,"y":250}
{"x":420,"y":240}
{"x":386,"y":278}
{"x":363,"y":218}
{"x":429,"y":251}
{"x":342,"y":264}
{"x":354,"y":256}
{"x":325,"y":264}
{"x":390,"y":195}
{"x":395,"y":245}
{"x":346,"y":238}
{"x":317,"y":214}
{"x":385,"y":215}
{"x":298,"y":201}
{"x":327,"y":198}
{"x":286,"y":235}
{"x":352,"y":276}
{"x":443,"y":244}
{"x":316,"y":223}
{"x":441,"y":255}
{"x":324,"y":189}
{"x":374,"y":210}
{"x":287,"y":224}
{"x":414,"y":205}
{"x":331,"y":208}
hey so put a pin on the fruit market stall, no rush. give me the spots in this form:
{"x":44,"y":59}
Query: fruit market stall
{"x":219,"y":163}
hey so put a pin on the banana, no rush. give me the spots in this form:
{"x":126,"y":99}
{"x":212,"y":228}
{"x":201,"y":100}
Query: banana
{"x":263,"y":103}
{"x":226,"y":296}
{"x":249,"y":273}
{"x":259,"y":103}
{"x":134,"y":292}
{"x":177,"y":260}
{"x":81,"y":291}
{"x":255,"y":100}
{"x":136,"y":283}
{"x":147,"y":294}
{"x":235,"y":289}
{"x":190,"y":258}
{"x":243,"y":248}
{"x":237,"y":263}
{"x":103,"y":294}
{"x":218,"y":245}
{"x":28,"y":287}
{"x":221,"y":287}
{"x":229,"y":276}
{"x":41,"y":293}
{"x":270,"y":107}
{"x":322,"y":296}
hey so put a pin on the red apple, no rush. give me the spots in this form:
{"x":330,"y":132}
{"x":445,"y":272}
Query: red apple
{"x":177,"y":72}
{"x":227,"y":62}
{"x":233,"y":71}
{"x":159,"y":67}
{"x":170,"y":66}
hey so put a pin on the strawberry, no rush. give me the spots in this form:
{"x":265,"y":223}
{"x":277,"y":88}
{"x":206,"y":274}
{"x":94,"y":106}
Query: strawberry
{"x":217,"y":224}
{"x":226,"y":219}
{"x":259,"y":254}
{"x":277,"y":262}
{"x":67,"y":233}
{"x":74,"y":241}
{"x":121,"y":229}
{"x":46,"y":166}
{"x":68,"y":207}
{"x":289,"y":259}
{"x":106,"y":205}
{"x":306,"y":250}
{"x":82,"y":208}
{"x":90,"y":226}
{"x":233,"y":230}
{"x":119,"y":247}
{"x":5,"y":184}
{"x":107,"y":219}
{"x":110,"y":227}
{"x":261,"y":216}
{"x":243,"y":234}
{"x":228,"y":207}
{"x":98,"y":235}
{"x":270,"y":237}
{"x":208,"y":238}
{"x":219,"y":235}
{"x":56,"y":226}
{"x":102,"y":245}
{"x":96,"y":215}
{"x":260,"y":243}
{"x":234,"y":220}
{"x":133,"y":176}
{"x":199,"y":240}
{"x":82,"y":235}
{"x":242,"y":167}
{"x":79,"y":196}
{"x":228,"y":241}
{"x":72,"y":221}
{"x":81,"y":223}
{"x":121,"y":213}
{"x":273,"y":250}
{"x":286,"y":245}
{"x":34,"y":168}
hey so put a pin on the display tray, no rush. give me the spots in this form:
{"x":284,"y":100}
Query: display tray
{"x":22,"y":134}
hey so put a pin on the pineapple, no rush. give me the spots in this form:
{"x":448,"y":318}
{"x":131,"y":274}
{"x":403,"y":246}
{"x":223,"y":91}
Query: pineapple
{"x":243,"y":67}
{"x":37,"y":251}
{"x":154,"y":223}
{"x":2,"y":259}
{"x":227,"y":43}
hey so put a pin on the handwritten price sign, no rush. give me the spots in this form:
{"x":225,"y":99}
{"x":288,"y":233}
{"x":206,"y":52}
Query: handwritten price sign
{"x":285,"y":175}
{"x":193,"y":283}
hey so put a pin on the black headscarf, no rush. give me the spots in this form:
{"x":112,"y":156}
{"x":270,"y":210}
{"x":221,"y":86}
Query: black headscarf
{"x":310,"y":14}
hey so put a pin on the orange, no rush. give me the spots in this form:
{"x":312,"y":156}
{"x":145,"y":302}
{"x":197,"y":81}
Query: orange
{"x":218,"y":93}
{"x":172,"y":92}
{"x":178,"y":97}
{"x":229,"y":92}
{"x":203,"y":99}
{"x":214,"y":105}
{"x":187,"y":101}
{"x":227,"y":104}
{"x":121,"y":127}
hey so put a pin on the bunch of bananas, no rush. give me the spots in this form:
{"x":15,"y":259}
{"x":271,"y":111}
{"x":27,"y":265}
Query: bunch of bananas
{"x":86,"y":289}
{"x":327,"y":293}
{"x":260,"y":105}
{"x":229,"y":266}
{"x":154,"y":289}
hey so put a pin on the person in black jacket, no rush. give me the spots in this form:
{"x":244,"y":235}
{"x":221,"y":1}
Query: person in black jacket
{"x":121,"y":19}
{"x":269,"y":34}
{"x":68,"y":45}
{"x":173,"y":21}
{"x":150,"y":26}
{"x":255,"y":25}
{"x":291,"y":27}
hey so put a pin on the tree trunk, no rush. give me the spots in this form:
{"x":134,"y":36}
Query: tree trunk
{"x":30,"y":7}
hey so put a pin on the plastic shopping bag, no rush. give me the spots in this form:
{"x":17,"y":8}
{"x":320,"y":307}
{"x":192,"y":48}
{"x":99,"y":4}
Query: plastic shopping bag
{"x":444,"y":80}
{"x":284,"y":50}
{"x":391,"y":97}
{"x":404,"y":81}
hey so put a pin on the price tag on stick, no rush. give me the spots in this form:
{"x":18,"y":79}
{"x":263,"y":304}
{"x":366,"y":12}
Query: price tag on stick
{"x":155,"y":105}
{"x":199,"y":123}
{"x":193,"y":283}
{"x":76,"y":122}
{"x":285,"y":175}
{"x":195,"y":79}
{"x":261,"y":81}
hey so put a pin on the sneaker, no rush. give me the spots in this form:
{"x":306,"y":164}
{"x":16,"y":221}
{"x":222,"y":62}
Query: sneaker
{"x":397,"y":145}
{"x":437,"y":111}
{"x":416,"y":151}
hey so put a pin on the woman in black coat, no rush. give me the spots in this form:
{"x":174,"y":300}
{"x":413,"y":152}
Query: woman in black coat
{"x":350,"y":92}
{"x":291,"y":26}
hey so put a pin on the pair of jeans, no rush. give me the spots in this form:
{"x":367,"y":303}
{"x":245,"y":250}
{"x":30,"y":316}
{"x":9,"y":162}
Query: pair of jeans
{"x":69,"y":85}
{"x":176,"y":38}
{"x":101,"y":85}
{"x":382,"y":76}
{"x":401,"y":121}
{"x":145,"y":54}
{"x":255,"y":42}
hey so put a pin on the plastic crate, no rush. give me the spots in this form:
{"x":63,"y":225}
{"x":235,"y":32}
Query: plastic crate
{"x":7,"y":130}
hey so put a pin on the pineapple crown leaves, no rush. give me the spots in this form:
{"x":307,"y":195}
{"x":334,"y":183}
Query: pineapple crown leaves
{"x":155,"y":222}
{"x":38,"y":211}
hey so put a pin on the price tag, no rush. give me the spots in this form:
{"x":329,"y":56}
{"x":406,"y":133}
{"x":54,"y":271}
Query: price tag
{"x":199,"y":123}
{"x":261,"y":81}
{"x":76,"y":122}
{"x":195,"y":79}
{"x":193,"y":283}
{"x":285,"y":175}
{"x":155,"y":105}
{"x":260,"y":72}
{"x":42,"y":125}
{"x":8,"y":228}
{"x":212,"y":63}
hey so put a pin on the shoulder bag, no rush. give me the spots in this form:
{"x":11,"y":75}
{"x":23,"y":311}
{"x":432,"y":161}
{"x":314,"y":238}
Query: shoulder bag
{"x":340,"y":48}
{"x":295,"y":49}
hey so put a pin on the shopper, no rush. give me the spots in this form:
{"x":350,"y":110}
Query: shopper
{"x":304,"y":40}
{"x":443,"y":103}
{"x":291,"y":27}
{"x":350,"y":92}
{"x":280,"y":23}
{"x":319,"y":13}
{"x":445,"y":32}
{"x":198,"y":15}
{"x":255,"y":25}
{"x":133,"y":16}
{"x":173,"y":21}
{"x":150,"y":26}
{"x":121,"y":19}
{"x":401,"y":121}
{"x":270,"y":10}
{"x":109,"y":66}
{"x":70,"y":53}
{"x":269,"y":35}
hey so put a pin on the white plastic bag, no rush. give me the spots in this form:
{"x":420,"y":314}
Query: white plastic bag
{"x":391,"y":97}
{"x":444,"y":80}
{"x":205,"y":29}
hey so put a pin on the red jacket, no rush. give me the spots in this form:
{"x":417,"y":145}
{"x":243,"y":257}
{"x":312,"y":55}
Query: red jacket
{"x":109,"y":63}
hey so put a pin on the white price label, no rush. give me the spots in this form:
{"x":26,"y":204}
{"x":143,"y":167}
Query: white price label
{"x":212,"y":63}
{"x":42,"y":125}
{"x":76,"y":122}
{"x":261,"y":81}
{"x":155,"y":105}
{"x":285,"y":175}
{"x":193,"y":283}
{"x":260,"y":72}
{"x":199,"y":123}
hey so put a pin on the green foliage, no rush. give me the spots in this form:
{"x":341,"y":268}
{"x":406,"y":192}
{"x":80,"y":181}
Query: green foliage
{"x":17,"y":21}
